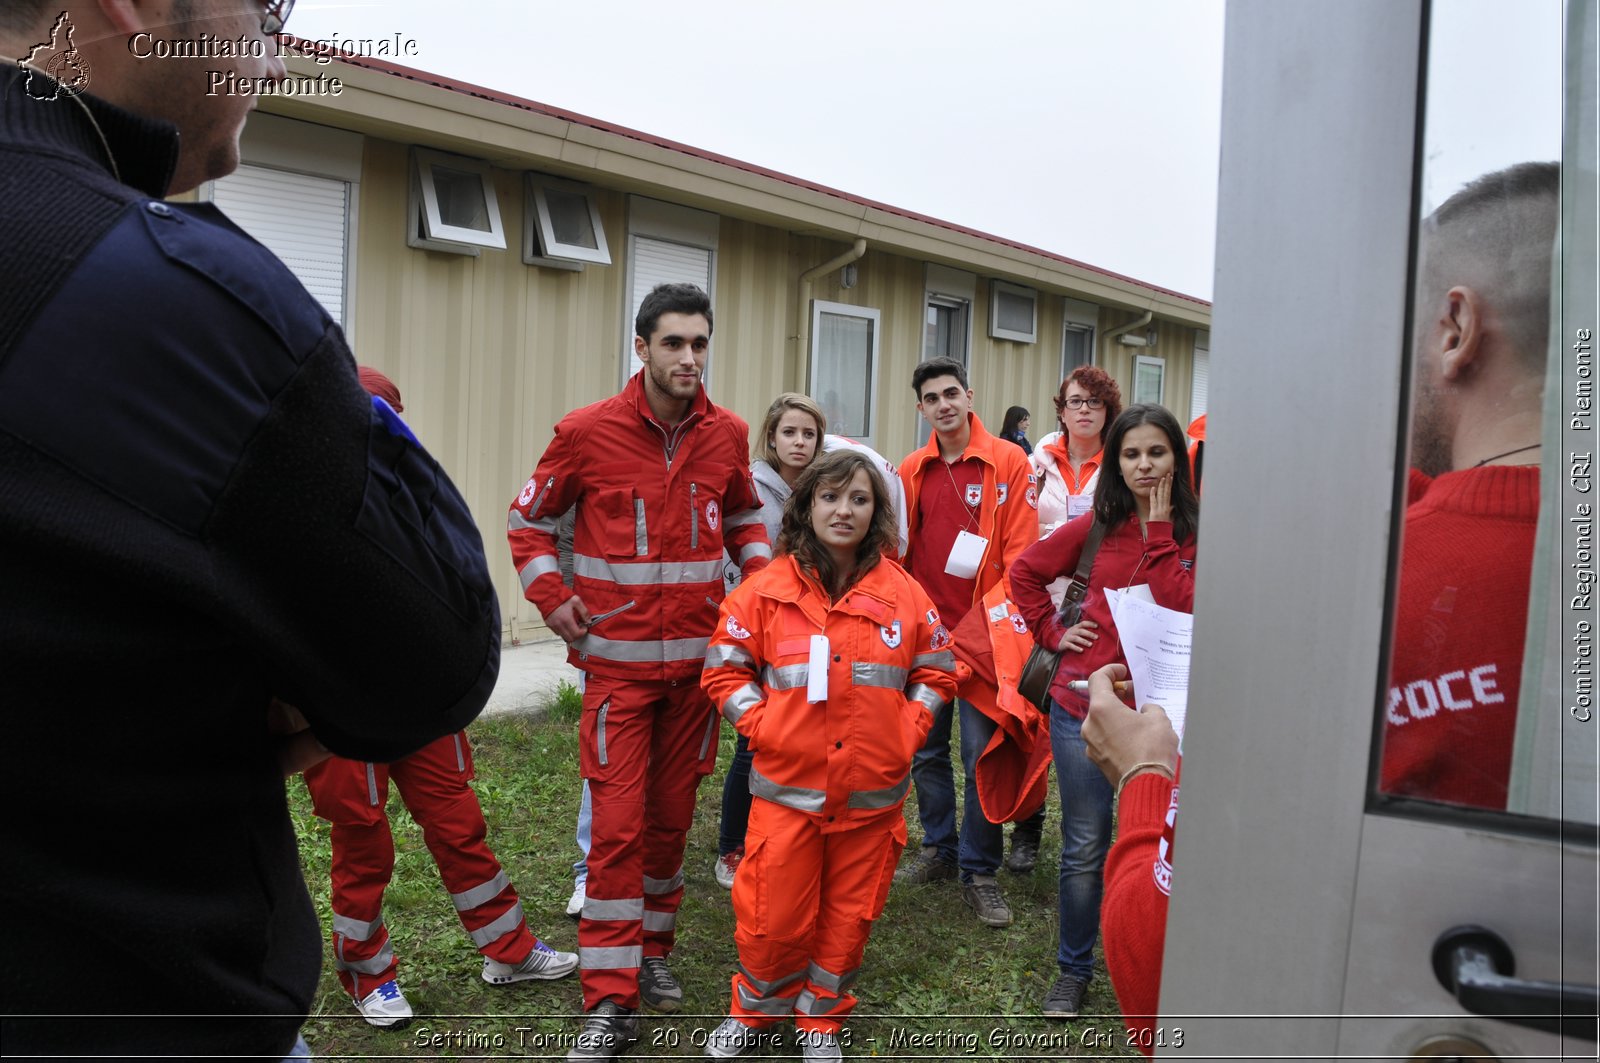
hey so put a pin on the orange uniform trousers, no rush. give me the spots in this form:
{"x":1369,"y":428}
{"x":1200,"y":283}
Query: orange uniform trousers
{"x":805,"y":900}
{"x":351,"y":795}
{"x":644,"y":746}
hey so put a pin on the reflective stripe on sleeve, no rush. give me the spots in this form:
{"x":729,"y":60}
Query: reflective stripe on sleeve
{"x":928,"y":697}
{"x":741,"y":701}
{"x":743,"y":517}
{"x":754,"y":550}
{"x":498,"y":929}
{"x":542,"y":565}
{"x":725,"y":653}
{"x":468,"y":899}
{"x":796,"y":797}
{"x":944,"y":660}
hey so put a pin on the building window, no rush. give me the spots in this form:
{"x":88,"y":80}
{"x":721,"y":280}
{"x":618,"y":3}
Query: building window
{"x":561,"y":225}
{"x":946,"y":329}
{"x":1013,"y":312}
{"x":1148,"y":376}
{"x":304,"y":220}
{"x":453,"y":206}
{"x":844,"y":366}
{"x":667,"y":243}
{"x":1202,"y":374}
{"x":1077,"y":337}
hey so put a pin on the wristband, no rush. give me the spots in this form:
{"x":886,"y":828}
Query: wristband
{"x":1142,"y":766}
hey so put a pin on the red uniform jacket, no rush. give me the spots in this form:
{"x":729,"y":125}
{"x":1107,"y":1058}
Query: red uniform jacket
{"x":656,"y":507}
{"x":890,"y":668}
{"x":1009,"y":516}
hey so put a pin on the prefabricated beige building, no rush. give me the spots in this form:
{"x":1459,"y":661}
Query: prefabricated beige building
{"x":389,"y":201}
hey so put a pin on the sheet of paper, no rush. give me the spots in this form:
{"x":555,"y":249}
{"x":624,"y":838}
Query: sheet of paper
{"x":1157,"y":643}
{"x":817,"y":669}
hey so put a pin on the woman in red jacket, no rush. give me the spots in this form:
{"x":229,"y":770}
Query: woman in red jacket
{"x":1149,"y":513}
{"x":832,"y":662}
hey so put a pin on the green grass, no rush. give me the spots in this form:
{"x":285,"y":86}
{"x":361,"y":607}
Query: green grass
{"x":930,"y":969}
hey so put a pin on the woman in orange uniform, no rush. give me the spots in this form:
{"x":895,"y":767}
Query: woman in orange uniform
{"x":831,"y":662}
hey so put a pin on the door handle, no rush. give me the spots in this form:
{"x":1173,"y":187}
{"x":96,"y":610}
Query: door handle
{"x":1475,"y":965}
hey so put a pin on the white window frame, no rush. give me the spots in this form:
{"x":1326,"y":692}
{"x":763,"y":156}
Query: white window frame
{"x":539,"y":244}
{"x":654,"y":219}
{"x":274,"y":142}
{"x":425,"y":228}
{"x":867,"y":313}
{"x":1200,"y":376}
{"x":1160,"y":364}
{"x":1078,"y":318}
{"x":952,"y":288}
{"x":998,"y":288}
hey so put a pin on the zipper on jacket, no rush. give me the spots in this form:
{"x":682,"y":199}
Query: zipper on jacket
{"x":694,"y":516}
{"x":538,"y":499}
{"x":641,"y":533}
{"x":600,"y":731}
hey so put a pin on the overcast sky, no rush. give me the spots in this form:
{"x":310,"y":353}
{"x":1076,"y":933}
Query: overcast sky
{"x":1078,"y":126}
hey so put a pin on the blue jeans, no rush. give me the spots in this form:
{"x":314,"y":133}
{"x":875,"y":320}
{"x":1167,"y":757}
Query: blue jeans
{"x":735,"y":799}
{"x":1085,"y":837}
{"x":981,"y":844}
{"x":580,"y":867}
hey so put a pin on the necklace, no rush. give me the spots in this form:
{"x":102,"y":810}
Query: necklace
{"x":105,"y":145}
{"x":1507,"y":454}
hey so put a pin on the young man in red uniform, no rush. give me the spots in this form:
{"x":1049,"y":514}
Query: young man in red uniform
{"x":433,"y":783}
{"x":1483,"y":304}
{"x":660,"y":478}
{"x":972,"y":508}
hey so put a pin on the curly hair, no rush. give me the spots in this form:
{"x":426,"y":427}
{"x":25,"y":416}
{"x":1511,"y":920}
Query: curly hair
{"x":1113,"y":498}
{"x":799,"y":538}
{"x":789,"y":400}
{"x":1100,"y":385}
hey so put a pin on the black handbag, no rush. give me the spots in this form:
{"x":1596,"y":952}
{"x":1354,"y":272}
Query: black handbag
{"x":1039,"y":671}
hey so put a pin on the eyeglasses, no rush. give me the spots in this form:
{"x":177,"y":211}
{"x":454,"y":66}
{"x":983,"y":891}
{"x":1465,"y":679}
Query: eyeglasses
{"x":274,"y":13}
{"x":1078,"y":402}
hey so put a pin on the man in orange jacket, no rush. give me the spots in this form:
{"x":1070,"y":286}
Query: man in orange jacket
{"x":972,"y":505}
{"x":660,"y":478}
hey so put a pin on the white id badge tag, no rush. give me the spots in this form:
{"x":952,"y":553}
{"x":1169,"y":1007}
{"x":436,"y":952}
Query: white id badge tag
{"x":1078,"y":505}
{"x":966,"y":555}
{"x":817,"y":670}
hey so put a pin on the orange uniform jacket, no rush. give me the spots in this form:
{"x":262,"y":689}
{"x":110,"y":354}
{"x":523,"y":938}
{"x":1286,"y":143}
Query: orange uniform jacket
{"x":1008,"y":517}
{"x":657,"y":504}
{"x":890,"y":667}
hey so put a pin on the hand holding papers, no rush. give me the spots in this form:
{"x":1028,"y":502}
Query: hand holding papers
{"x":1157,"y":643}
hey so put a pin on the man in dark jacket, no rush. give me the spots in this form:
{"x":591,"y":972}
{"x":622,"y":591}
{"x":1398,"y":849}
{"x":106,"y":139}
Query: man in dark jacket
{"x":201,"y":516}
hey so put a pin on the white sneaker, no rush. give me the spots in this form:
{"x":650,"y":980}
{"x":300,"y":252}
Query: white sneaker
{"x":385,"y":1006}
{"x":731,"y":1040}
{"x":543,"y":963}
{"x":727,"y":866}
{"x":575,"y":902}
{"x":814,"y":1044}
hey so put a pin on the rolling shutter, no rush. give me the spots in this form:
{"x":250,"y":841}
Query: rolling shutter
{"x":303,"y":220}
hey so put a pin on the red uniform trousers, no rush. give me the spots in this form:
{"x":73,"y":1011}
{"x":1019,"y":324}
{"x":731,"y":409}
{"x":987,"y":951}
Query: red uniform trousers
{"x":805,"y":899}
{"x":644,"y":747}
{"x":351,"y":795}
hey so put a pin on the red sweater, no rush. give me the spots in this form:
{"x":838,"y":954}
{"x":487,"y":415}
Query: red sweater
{"x":1463,"y":612}
{"x":1133,"y":909}
{"x":1125,"y":558}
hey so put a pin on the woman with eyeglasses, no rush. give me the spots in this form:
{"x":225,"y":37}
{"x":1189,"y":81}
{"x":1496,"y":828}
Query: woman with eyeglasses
{"x":1068,"y":462}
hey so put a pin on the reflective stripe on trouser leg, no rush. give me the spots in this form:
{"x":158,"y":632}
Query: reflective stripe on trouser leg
{"x":678,"y":759}
{"x":362,"y":954}
{"x":858,"y":865}
{"x":433,"y":783}
{"x":361,"y":865}
{"x":775,"y":913}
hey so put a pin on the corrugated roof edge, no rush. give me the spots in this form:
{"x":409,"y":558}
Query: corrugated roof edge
{"x":506,"y":99}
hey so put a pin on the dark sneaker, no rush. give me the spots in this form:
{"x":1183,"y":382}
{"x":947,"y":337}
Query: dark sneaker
{"x":983,"y":896}
{"x":1024,"y":855}
{"x":1065,"y":998}
{"x":657,"y":988}
{"x":607,"y":1032}
{"x":926,"y":866}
